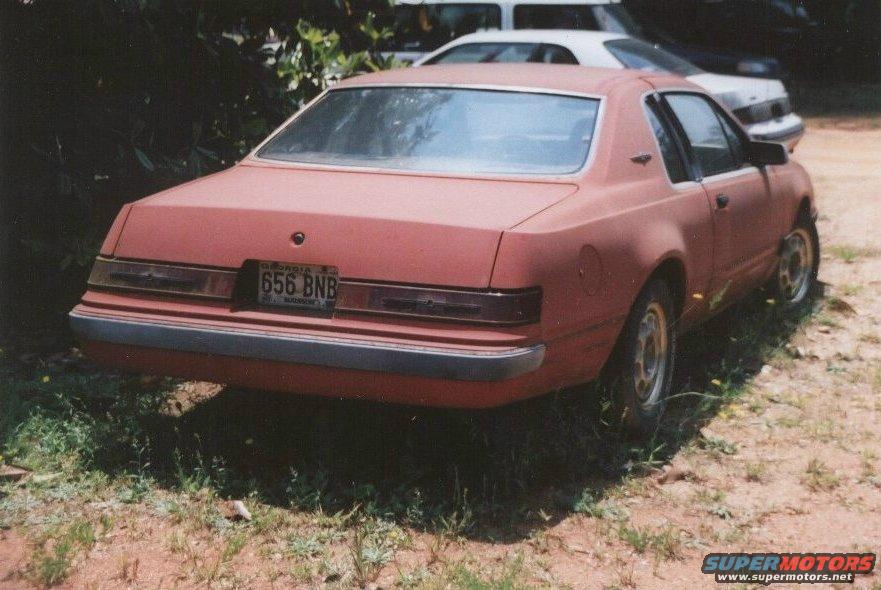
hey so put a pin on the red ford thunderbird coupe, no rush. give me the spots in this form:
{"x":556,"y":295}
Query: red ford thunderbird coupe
{"x":460,"y":236}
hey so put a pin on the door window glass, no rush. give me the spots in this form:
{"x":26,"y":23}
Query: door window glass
{"x":705,"y":133}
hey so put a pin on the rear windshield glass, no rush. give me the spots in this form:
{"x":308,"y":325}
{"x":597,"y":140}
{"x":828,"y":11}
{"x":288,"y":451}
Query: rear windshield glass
{"x":505,"y":53}
{"x":426,"y":27}
{"x":639,"y":55}
{"x":441,"y":129}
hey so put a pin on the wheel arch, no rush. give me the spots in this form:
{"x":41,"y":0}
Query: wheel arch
{"x":804,"y":210}
{"x":672,"y":270}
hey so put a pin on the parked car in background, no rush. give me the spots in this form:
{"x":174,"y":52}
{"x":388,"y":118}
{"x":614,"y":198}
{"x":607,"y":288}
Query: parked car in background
{"x":762,"y":106}
{"x":422,"y":26}
{"x":461,"y":236}
{"x":784,"y":28}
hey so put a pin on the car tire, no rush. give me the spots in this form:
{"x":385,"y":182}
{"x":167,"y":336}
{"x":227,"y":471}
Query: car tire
{"x":799,"y":262}
{"x":647,"y":357}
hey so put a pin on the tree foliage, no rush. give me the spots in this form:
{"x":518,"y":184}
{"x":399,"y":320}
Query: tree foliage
{"x":106,"y":101}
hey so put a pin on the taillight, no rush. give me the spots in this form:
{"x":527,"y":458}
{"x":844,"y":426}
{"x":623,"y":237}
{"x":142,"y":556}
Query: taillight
{"x":485,"y":307}
{"x":510,"y":307}
{"x":162,"y":279}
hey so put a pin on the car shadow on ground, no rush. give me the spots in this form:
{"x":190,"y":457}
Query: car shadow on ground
{"x":500,"y":475}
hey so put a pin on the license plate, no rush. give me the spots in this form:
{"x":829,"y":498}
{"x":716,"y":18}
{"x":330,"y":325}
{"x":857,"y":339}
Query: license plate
{"x":299,"y":286}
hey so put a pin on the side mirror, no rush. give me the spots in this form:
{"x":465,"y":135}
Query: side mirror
{"x":764,"y":153}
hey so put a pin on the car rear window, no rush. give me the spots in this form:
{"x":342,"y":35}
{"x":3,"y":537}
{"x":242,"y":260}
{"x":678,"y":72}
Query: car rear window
{"x":639,"y":55}
{"x":441,"y":129}
{"x":505,"y":53}
{"x":425,"y":27}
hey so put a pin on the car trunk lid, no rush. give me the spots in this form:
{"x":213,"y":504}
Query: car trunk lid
{"x":379,"y":226}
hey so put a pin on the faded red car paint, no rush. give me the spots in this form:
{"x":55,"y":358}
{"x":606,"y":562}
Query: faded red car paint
{"x":590,"y":241}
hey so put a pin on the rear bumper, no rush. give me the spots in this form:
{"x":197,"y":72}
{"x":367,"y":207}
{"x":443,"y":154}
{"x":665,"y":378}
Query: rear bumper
{"x":339,"y":353}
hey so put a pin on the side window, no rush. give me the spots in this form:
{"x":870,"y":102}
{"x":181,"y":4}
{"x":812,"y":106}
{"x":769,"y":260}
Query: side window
{"x":669,"y":151}
{"x":555,"y":16}
{"x":705,"y":133}
{"x":554,"y":54}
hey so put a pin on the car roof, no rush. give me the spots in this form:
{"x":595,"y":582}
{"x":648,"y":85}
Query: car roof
{"x":516,"y":76}
{"x":559,"y":36}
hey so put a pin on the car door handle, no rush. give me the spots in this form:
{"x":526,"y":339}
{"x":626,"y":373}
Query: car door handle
{"x":722,"y":201}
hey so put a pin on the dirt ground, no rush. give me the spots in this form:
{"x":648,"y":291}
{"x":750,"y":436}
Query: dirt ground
{"x":792,"y":464}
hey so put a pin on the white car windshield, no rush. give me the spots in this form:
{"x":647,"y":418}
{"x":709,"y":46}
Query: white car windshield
{"x":440,"y":129}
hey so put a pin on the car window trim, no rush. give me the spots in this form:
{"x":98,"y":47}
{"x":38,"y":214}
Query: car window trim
{"x":730,"y":174}
{"x":668,"y":118}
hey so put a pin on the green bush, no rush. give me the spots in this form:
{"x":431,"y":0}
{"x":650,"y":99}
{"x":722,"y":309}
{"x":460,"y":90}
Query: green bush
{"x":106,"y":101}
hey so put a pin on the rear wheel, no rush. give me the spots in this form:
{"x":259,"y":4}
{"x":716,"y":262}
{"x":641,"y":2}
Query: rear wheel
{"x":798,"y":265}
{"x":648,"y":352}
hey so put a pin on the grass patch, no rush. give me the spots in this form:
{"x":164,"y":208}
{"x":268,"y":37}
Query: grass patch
{"x":305,"y":546}
{"x":336,"y":486}
{"x":665,"y":543}
{"x":850,"y":290}
{"x":590,"y":505}
{"x":53,"y":557}
{"x":819,"y":477}
{"x":850,"y":254}
{"x":465,"y":578}
{"x":374,"y":544}
{"x":717,"y":445}
{"x":756,"y":472}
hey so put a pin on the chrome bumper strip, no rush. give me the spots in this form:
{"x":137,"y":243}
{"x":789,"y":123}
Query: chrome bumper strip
{"x":438,"y":363}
